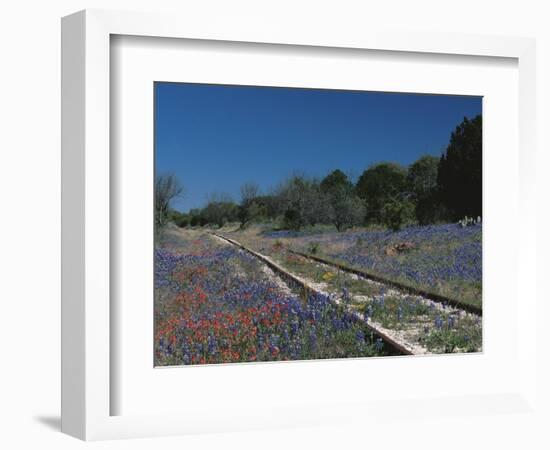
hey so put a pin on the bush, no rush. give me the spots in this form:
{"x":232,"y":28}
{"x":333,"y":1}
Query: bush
{"x":397,"y":212}
{"x":278,"y":245}
{"x":313,"y":248}
{"x":293,"y":220}
{"x":178,"y":218}
{"x":194,"y":221}
{"x":220,"y":210}
{"x":182,"y":223}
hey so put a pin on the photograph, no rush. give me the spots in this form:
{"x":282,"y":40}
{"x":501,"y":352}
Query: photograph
{"x":297,"y":224}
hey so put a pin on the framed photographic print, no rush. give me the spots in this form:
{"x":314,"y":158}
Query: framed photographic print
{"x":267,"y":228}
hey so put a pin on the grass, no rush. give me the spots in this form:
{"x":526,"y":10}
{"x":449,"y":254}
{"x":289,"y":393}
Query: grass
{"x":449,"y":290}
{"x":335,"y":280}
{"x":440,"y":330}
{"x":466,"y":336}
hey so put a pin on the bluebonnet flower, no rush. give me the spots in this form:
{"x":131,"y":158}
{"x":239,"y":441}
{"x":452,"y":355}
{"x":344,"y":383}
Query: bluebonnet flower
{"x":345,"y":295}
{"x":461,"y":259}
{"x":212,"y":347}
{"x":313,"y":338}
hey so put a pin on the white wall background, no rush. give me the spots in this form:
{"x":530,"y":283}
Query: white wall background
{"x":30,"y":199}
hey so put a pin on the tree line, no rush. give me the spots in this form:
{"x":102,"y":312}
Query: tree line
{"x":430,"y":190}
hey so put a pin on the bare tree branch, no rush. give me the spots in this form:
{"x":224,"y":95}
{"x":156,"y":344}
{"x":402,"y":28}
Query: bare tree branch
{"x":167,"y":188}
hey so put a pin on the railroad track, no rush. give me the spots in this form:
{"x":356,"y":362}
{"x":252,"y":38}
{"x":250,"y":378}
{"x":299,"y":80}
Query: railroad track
{"x":394,"y":284}
{"x":394,"y":346}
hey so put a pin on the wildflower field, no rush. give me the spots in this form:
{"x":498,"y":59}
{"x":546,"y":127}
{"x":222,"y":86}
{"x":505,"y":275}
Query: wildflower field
{"x":444,"y":259}
{"x":216,"y":304}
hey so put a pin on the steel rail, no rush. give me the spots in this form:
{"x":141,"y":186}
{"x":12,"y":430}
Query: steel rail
{"x":394,"y":284}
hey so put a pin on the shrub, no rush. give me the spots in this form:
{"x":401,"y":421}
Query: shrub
{"x":378,"y":185}
{"x":278,"y":245}
{"x":182,"y":223}
{"x":195,"y":221}
{"x":313,"y":248}
{"x":293,"y":219}
{"x":396,"y":213}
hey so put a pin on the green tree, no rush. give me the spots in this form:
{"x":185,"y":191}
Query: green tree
{"x":459,"y":178}
{"x":219,"y":210}
{"x":344,"y":207}
{"x":301,"y":202}
{"x":422,"y":175}
{"x":422,"y":183}
{"x":267,"y":205}
{"x":180,"y":219}
{"x":335,"y":179}
{"x":397,"y":212}
{"x":380,"y":184}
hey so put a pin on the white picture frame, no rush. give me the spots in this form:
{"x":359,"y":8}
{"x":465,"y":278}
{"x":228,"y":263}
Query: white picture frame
{"x":86,"y":246}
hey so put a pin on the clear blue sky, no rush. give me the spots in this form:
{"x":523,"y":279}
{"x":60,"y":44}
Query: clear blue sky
{"x":215,"y":138}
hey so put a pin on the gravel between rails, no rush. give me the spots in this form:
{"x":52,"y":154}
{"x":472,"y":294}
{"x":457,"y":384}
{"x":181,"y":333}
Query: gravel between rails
{"x":411,"y":333}
{"x":266,"y":270}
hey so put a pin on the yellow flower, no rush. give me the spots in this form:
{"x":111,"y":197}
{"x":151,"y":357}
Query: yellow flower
{"x":328,"y":276}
